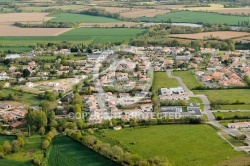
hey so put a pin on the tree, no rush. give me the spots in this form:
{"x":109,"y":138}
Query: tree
{"x":7,"y":147}
{"x":26,"y":73}
{"x":42,"y":130}
{"x":45,"y":144}
{"x":16,"y":145}
{"x":80,"y":124}
{"x":21,"y":140}
{"x":90,"y":131}
{"x":117,"y":151}
{"x":36,"y":118}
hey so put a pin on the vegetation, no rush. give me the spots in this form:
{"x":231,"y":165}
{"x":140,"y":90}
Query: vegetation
{"x":161,"y":80}
{"x":232,"y":115}
{"x":188,"y":78}
{"x":197,"y":17}
{"x":65,"y":151}
{"x":71,"y":17}
{"x":181,"y":144}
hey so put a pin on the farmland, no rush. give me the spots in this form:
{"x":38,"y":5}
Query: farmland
{"x":144,"y":13}
{"x":70,"y":17}
{"x":181,"y":144}
{"x":15,"y":49}
{"x":197,"y":17}
{"x":188,"y":78}
{"x":220,"y":35}
{"x":83,"y":35}
{"x":65,"y":151}
{"x":161,"y":80}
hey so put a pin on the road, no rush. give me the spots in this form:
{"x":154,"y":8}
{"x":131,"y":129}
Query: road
{"x":207,"y":111}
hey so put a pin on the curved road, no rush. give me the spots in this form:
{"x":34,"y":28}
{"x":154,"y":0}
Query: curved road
{"x":207,"y":108}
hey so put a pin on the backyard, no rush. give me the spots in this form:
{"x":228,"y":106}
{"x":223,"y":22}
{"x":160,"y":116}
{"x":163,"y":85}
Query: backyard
{"x":161,"y":80}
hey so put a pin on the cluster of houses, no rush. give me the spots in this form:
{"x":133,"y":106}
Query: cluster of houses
{"x":12,"y":116}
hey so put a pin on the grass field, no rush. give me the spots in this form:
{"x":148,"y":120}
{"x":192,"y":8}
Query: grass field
{"x":197,"y":17}
{"x":15,"y":49}
{"x":26,"y":98}
{"x":161,"y":80}
{"x":67,"y":152}
{"x":232,"y":140}
{"x":232,"y":95}
{"x":232,"y":115}
{"x":6,"y":137}
{"x":188,"y":78}
{"x":184,"y":145}
{"x":70,"y":17}
{"x":235,"y":107}
{"x":82,"y":35}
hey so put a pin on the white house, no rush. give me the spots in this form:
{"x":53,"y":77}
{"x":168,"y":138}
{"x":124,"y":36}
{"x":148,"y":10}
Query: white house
{"x":239,"y":125}
{"x":29,"y":84}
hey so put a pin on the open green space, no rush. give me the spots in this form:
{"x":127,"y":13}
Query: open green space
{"x":232,"y":115}
{"x":23,"y":97}
{"x":63,"y":7}
{"x":188,"y":78}
{"x":78,"y":35}
{"x":15,"y":49}
{"x":230,"y":95}
{"x":161,"y":80}
{"x":235,"y":107}
{"x":6,"y":137}
{"x":71,"y":17}
{"x":197,"y":17}
{"x":184,"y":145}
{"x":67,"y":152}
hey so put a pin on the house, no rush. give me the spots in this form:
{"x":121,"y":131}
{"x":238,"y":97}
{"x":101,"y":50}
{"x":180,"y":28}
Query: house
{"x":53,"y":84}
{"x":177,"y":93}
{"x":12,"y":68}
{"x":12,"y":56}
{"x":29,"y":84}
{"x":146,"y":107}
{"x":122,"y":76}
{"x":239,"y":125}
{"x":170,"y":91}
{"x":5,"y":107}
{"x":60,"y":89}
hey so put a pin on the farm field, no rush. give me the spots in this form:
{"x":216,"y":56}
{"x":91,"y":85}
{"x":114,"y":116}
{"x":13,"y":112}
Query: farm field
{"x":10,"y":30}
{"x":161,"y":80}
{"x":24,"y":17}
{"x":232,"y":115}
{"x":83,"y":35}
{"x":67,"y":152}
{"x":243,"y":39}
{"x":183,"y":145}
{"x":70,"y":17}
{"x":218,"y":8}
{"x":220,"y":34}
{"x":64,"y":7}
{"x":109,"y":24}
{"x":231,"y":95}
{"x":143,"y":13}
{"x":197,"y":17}
{"x":15,"y":49}
{"x":188,"y":78}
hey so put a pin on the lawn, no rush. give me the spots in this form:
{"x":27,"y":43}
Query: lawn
{"x":161,"y":80}
{"x":235,"y":107}
{"x":80,"y":35}
{"x":188,"y":78}
{"x":6,"y":137}
{"x":67,"y":152}
{"x":232,"y":115}
{"x":197,"y":17}
{"x":184,"y":145}
{"x":232,"y":95}
{"x":232,"y":140}
{"x":81,"y":18}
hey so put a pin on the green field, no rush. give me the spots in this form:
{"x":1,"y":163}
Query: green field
{"x":235,"y":107}
{"x":71,"y":17}
{"x":184,"y":145}
{"x":67,"y":152}
{"x":197,"y":17}
{"x":232,"y":115}
{"x":233,"y":140}
{"x":232,"y":95}
{"x":188,"y":78}
{"x":64,"y":7}
{"x":161,"y":80}
{"x":15,"y":49}
{"x":27,"y":98}
{"x":6,"y":137}
{"x":78,"y":35}
{"x":31,"y":149}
